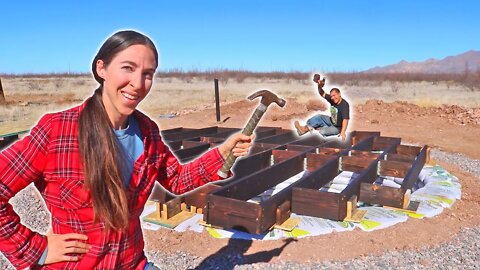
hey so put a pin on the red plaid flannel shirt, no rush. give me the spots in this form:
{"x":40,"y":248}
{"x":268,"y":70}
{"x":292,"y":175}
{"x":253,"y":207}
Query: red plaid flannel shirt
{"x":49,"y":157}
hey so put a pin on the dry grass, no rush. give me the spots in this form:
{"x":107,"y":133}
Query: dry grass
{"x":177,"y":92}
{"x":470,"y":80}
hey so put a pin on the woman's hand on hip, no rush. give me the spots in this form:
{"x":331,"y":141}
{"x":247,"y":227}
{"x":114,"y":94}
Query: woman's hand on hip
{"x":239,"y":144}
{"x":66,"y":247}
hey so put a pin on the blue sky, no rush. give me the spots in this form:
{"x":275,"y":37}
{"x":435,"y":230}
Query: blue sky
{"x":56,"y":36}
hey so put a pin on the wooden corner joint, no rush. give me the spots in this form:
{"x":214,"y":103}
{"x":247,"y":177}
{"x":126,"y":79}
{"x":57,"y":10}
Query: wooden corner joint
{"x":427,"y":156}
{"x":283,"y":212}
{"x":354,"y":214}
{"x":283,"y":221}
{"x":351,"y":206}
{"x":193,"y":209}
{"x":406,"y":198}
{"x":165,"y":211}
{"x":162,"y":211}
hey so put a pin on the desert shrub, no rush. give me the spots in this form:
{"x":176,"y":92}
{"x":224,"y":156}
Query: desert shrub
{"x":394,"y":86}
{"x":470,"y":80}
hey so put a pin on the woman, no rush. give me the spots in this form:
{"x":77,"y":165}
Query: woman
{"x":95,"y":166}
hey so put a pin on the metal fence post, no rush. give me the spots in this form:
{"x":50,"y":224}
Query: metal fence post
{"x":2,"y":96}
{"x":217,"y":100}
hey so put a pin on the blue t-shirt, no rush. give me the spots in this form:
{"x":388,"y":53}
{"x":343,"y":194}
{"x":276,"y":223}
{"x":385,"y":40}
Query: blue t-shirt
{"x":131,"y":142}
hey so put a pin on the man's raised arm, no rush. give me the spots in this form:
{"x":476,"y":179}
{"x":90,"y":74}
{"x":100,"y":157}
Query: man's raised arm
{"x":321,"y":83}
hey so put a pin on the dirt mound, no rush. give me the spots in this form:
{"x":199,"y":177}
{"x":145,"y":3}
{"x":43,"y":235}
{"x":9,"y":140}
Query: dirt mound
{"x":294,"y":110}
{"x":453,"y":114}
{"x":316,"y":105}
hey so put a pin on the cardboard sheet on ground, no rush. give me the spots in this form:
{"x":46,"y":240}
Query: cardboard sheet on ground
{"x":438,"y":190}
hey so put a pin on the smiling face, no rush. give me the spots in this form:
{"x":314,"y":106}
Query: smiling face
{"x":335,"y":96}
{"x":127,"y":81}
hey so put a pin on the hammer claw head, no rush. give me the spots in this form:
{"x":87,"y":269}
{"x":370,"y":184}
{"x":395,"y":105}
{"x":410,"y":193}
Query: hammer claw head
{"x":268,"y":98}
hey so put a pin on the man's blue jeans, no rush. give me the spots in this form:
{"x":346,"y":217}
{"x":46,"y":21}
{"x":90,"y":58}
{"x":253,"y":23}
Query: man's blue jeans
{"x":323,"y":124}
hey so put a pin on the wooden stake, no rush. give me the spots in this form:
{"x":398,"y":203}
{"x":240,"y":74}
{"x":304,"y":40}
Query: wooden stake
{"x":288,"y":225}
{"x":171,"y":222}
{"x":408,"y":205}
{"x":406,"y":198}
{"x":183,"y":207}
{"x":354,"y":214}
{"x":164,"y":213}
{"x":158,"y":210}
{"x":427,"y":159}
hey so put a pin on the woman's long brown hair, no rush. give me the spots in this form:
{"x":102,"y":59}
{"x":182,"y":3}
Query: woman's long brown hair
{"x":100,"y":155}
{"x":99,"y":147}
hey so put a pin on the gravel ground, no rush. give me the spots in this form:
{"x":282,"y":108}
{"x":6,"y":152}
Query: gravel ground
{"x":465,"y":163}
{"x":461,"y":252}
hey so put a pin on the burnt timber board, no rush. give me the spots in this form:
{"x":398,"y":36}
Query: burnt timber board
{"x":381,"y":142}
{"x":254,"y":162}
{"x":325,"y":204}
{"x":391,"y":196}
{"x":178,"y":136}
{"x":331,"y":205}
{"x":237,"y":194}
{"x":175,"y":130}
{"x":249,"y":186}
{"x":243,"y":166}
{"x":412,"y":175}
{"x":282,"y":138}
{"x":188,"y":149}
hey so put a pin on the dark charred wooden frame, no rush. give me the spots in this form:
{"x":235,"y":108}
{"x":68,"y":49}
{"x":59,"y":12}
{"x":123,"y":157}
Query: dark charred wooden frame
{"x":307,"y":199}
{"x":228,"y":206}
{"x":182,"y":135}
{"x":258,"y":159}
{"x":197,"y":198}
{"x":406,"y":162}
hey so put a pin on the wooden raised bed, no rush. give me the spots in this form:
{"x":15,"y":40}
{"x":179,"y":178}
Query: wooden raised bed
{"x":405,"y":162}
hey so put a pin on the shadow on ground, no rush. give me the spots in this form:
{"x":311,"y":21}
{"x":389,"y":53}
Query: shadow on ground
{"x":233,"y":254}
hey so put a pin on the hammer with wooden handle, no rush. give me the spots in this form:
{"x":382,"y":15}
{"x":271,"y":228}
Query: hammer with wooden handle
{"x":267,"y":99}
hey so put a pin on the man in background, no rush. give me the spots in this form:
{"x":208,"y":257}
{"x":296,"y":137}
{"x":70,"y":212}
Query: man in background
{"x":328,"y":125}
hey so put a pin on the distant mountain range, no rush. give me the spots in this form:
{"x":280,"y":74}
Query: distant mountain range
{"x":452,"y":64}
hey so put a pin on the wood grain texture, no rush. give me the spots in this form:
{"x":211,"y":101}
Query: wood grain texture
{"x":375,"y":194}
{"x":382,"y":142}
{"x":394,"y":168}
{"x":408,"y":150}
{"x":230,"y":213}
{"x":412,"y":175}
{"x":398,"y":157}
{"x":316,"y":203}
{"x":282,"y":138}
{"x":354,"y":164}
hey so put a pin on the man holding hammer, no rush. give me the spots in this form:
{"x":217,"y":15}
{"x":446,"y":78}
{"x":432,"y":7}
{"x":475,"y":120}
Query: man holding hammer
{"x":328,"y":125}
